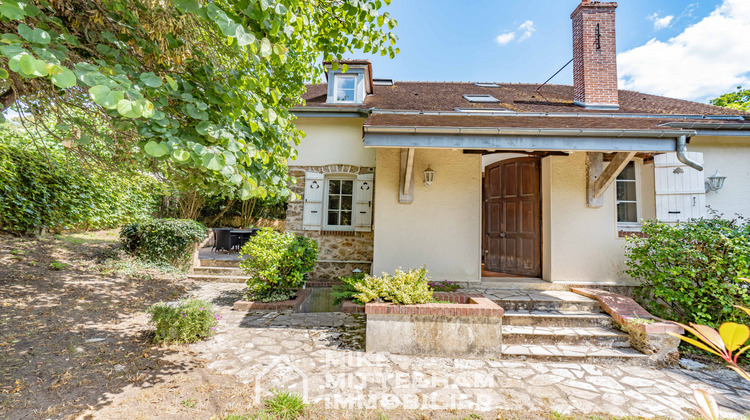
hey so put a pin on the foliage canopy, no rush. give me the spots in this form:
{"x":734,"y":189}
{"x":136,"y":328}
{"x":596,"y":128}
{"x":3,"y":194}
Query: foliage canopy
{"x":738,"y":100}
{"x":200,"y":87}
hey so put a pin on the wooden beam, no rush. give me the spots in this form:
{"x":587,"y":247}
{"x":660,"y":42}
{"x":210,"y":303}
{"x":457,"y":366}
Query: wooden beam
{"x":594,"y":165}
{"x":406,"y":177}
{"x":608,"y":175}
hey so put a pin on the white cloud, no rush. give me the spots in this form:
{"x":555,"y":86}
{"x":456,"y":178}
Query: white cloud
{"x":707,"y":59}
{"x":661,"y":22}
{"x":505,"y":38}
{"x":526,"y":29}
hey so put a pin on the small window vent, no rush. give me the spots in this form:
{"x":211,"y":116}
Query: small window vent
{"x":382,"y":82}
{"x":481,"y":98}
{"x":487,"y":85}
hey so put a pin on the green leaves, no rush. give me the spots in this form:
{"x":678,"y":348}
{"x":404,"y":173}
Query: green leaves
{"x":63,"y":77}
{"x":10,"y":10}
{"x":151,"y":80}
{"x":265,"y":48}
{"x":155,"y":149}
{"x":129,"y":109}
{"x":38,"y":36}
{"x":106,"y":97}
{"x":4,"y":74}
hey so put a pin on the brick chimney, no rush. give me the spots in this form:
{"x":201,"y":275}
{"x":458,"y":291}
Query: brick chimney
{"x":594,"y":55}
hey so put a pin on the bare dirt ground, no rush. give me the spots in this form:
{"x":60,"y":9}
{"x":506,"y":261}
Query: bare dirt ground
{"x":75,"y":343}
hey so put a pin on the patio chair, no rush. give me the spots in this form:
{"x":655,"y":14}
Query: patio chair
{"x":222,"y":240}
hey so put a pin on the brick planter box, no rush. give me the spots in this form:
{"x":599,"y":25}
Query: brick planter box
{"x":293,"y":305}
{"x":469,"y":326}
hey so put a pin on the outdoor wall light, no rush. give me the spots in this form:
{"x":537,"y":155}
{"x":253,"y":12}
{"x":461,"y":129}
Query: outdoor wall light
{"x":715,"y":182}
{"x":429,"y":176}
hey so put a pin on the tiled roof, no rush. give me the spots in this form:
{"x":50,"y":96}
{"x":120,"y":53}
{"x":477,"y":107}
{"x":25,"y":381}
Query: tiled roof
{"x":447,"y":96}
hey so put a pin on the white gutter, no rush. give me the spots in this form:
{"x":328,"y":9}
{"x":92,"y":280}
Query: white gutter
{"x":682,"y":157}
{"x":500,"y":131}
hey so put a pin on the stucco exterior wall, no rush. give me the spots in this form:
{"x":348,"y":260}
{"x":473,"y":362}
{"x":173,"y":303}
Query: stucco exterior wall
{"x":331,"y":141}
{"x":731,"y":156}
{"x":582,"y":244}
{"x":442,"y":227}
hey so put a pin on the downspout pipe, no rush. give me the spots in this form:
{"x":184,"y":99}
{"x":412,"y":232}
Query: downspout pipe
{"x":682,"y":157}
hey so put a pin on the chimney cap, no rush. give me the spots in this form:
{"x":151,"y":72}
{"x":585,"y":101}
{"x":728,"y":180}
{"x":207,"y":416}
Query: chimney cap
{"x":591,"y":5}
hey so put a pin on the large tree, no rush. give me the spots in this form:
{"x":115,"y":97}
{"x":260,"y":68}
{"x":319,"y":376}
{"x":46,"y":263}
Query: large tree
{"x":200,"y":88}
{"x":739,"y":99}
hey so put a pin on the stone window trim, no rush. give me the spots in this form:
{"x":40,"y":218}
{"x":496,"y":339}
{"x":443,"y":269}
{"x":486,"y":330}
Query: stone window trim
{"x":325,"y":226}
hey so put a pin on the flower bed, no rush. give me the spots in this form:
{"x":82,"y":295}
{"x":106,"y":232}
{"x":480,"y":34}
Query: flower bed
{"x":471,"y":325}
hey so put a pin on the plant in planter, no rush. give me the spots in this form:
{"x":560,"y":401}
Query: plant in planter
{"x":403,"y":288}
{"x":443,"y":286}
{"x":346,"y":289}
{"x":278,"y":264}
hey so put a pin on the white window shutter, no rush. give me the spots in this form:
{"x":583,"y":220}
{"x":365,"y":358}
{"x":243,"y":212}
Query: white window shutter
{"x":363,"y":208}
{"x":680,"y":189}
{"x":313,"y":199}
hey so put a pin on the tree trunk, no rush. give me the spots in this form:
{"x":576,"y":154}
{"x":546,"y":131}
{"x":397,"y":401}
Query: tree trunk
{"x":218,"y":216}
{"x":7,"y":99}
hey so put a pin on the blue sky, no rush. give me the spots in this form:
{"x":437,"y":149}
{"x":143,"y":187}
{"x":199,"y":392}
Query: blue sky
{"x":658,"y":43}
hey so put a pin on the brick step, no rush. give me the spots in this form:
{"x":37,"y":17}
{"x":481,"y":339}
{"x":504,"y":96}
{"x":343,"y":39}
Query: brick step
{"x":520,"y":304}
{"x":580,"y":319}
{"x":219,"y":271}
{"x":219,"y":263}
{"x":543,"y":336}
{"x":576,"y":354}
{"x":217,"y":279}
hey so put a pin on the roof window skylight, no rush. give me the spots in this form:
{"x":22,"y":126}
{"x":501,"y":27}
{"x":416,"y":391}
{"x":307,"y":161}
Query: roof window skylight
{"x":481,"y":98}
{"x":382,"y":82}
{"x":486,"y":84}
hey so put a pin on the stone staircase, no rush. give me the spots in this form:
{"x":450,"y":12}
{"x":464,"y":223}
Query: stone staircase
{"x":218,"y":270}
{"x":558,"y":325}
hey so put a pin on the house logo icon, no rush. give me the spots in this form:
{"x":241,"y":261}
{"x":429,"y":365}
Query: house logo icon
{"x":283,"y":375}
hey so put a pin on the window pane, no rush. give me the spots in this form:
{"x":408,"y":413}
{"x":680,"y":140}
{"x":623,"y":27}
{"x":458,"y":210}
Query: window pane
{"x":333,"y":202}
{"x":345,"y":88}
{"x":333,"y":218}
{"x":346,"y":202}
{"x":626,"y":191}
{"x":334,"y":187}
{"x":628,"y":172}
{"x":627,"y":212}
{"x":346,"y":187}
{"x":346,"y":218}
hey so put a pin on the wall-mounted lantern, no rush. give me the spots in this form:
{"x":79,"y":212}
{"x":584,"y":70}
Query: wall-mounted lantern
{"x":715,"y":182}
{"x":429,"y":176}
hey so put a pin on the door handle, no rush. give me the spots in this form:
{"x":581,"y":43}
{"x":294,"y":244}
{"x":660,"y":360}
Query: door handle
{"x":502,"y":235}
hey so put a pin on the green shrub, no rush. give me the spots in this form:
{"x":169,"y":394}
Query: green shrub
{"x":277,"y":264}
{"x":48,"y":191}
{"x":403,"y":288}
{"x":346,"y":290}
{"x":186,"y":321}
{"x":691,"y":272}
{"x":443,"y":286}
{"x":163,"y":241}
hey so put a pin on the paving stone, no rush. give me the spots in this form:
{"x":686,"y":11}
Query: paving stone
{"x":289,"y":350}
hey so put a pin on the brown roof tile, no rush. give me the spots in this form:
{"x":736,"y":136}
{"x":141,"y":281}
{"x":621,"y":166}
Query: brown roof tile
{"x":447,"y":96}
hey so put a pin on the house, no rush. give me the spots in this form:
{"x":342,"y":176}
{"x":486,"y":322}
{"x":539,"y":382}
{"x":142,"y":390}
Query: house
{"x":496,"y":179}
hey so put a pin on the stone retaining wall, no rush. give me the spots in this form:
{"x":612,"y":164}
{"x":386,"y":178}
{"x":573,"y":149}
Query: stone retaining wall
{"x":340,"y":253}
{"x":472,"y":326}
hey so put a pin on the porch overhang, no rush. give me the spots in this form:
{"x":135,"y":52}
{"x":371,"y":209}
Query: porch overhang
{"x":655,"y":141}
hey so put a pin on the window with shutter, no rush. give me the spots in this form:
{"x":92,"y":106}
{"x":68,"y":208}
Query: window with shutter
{"x":339,"y":203}
{"x":313,"y":201}
{"x":680,"y":189}
{"x":363,"y":208}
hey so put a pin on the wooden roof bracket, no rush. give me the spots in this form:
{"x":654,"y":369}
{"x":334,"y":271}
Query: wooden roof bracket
{"x":406,"y":184}
{"x":600,"y":178}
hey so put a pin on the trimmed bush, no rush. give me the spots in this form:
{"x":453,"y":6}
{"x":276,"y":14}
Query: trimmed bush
{"x":403,"y":288}
{"x":163,"y":241}
{"x":186,"y":321}
{"x":277,"y":264}
{"x":47,"y":191}
{"x":691,"y":272}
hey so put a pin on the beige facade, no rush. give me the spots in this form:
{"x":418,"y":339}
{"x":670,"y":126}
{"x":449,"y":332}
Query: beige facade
{"x":442,"y":227}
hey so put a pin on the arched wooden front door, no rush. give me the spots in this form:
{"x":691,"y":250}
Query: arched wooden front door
{"x":512,"y":206}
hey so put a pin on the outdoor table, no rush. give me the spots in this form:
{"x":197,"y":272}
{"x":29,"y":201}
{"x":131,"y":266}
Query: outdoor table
{"x":244,"y":235}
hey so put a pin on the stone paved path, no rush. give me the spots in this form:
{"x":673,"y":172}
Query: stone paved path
{"x":320,"y":355}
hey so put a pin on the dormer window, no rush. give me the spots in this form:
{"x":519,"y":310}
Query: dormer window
{"x":345,"y":87}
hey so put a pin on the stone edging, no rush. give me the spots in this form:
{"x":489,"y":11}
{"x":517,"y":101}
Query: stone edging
{"x":291,"y":304}
{"x":623,"y":308}
{"x":465,"y":304}
{"x":323,"y":283}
